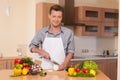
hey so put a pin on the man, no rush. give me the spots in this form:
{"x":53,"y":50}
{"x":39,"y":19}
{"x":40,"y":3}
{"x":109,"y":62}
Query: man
{"x":54,"y":42}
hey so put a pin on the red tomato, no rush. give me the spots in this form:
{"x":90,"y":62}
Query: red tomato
{"x":81,"y":70}
{"x":86,"y":70}
{"x":77,"y":69}
{"x":17,"y":61}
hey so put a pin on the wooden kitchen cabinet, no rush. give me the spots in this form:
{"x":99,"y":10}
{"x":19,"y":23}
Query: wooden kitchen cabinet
{"x":101,"y":22}
{"x":110,"y":15}
{"x":42,"y":10}
{"x":112,"y":71}
{"x":85,"y":13}
{"x":88,"y":29}
{"x":109,"y":29}
{"x":6,"y":63}
{"x":107,"y":66}
{"x":105,"y":29}
{"x":2,"y":65}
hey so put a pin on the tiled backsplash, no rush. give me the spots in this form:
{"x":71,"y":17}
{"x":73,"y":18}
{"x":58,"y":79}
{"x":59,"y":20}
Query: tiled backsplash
{"x":85,"y":45}
{"x":90,"y":45}
{"x":106,"y":44}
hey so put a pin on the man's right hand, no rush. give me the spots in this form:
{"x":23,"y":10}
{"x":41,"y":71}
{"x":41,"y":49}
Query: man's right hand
{"x":43,"y":53}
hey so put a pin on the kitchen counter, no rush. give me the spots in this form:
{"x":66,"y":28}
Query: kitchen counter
{"x":55,"y":75}
{"x":98,"y":57}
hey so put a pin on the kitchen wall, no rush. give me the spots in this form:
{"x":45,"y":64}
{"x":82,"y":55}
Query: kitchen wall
{"x":98,"y":3}
{"x":85,"y":45}
{"x":49,"y":1}
{"x":17,"y":29}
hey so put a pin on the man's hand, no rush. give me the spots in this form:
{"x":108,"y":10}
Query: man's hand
{"x":45,"y":55}
{"x":66,"y":61}
{"x":62,"y":66}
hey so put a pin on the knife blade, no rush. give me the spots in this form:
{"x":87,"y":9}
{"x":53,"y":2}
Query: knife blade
{"x":54,"y":62}
{"x":51,"y":60}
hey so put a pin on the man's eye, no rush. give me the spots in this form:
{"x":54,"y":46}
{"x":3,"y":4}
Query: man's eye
{"x":59,"y":17}
{"x":53,"y":16}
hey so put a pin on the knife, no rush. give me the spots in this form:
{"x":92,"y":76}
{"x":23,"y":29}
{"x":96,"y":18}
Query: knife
{"x":54,"y":62}
{"x":51,"y":60}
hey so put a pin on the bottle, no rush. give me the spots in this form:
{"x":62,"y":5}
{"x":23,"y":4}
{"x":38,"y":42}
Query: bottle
{"x":107,"y":53}
{"x":115,"y":53}
{"x":104,"y":53}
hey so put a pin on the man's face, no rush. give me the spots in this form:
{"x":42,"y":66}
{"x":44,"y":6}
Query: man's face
{"x":55,"y":18}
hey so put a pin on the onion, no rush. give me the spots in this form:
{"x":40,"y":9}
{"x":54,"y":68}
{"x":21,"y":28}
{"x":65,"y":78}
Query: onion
{"x":55,"y":67}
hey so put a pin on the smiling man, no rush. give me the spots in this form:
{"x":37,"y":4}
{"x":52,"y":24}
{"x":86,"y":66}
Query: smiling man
{"x":54,"y":42}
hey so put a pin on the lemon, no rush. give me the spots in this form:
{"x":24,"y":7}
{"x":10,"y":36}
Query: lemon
{"x":93,"y":72}
{"x":70,"y":71}
{"x":24,"y":71}
{"x":17,"y":72}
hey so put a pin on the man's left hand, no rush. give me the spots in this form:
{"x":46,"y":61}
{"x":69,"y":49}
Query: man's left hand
{"x":62,"y":66}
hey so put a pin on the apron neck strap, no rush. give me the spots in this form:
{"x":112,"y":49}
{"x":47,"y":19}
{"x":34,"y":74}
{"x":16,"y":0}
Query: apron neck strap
{"x":47,"y":35}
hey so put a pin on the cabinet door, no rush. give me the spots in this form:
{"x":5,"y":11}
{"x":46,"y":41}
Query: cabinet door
{"x":42,"y":10}
{"x":110,"y":15}
{"x":109,"y":67}
{"x":109,"y":29}
{"x":2,"y":64}
{"x":85,"y":13}
{"x":10,"y":64}
{"x":88,"y":29}
{"x":112,"y":69}
{"x":102,"y":66}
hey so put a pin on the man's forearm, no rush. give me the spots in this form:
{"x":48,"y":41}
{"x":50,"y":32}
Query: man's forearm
{"x":41,"y":52}
{"x":68,"y":58}
{"x":36,"y":50}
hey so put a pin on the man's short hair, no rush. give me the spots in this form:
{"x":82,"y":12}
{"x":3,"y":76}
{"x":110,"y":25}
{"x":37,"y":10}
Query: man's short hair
{"x":56,"y":7}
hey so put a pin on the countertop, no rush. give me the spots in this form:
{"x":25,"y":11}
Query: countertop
{"x":55,"y":75}
{"x":98,"y":57}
